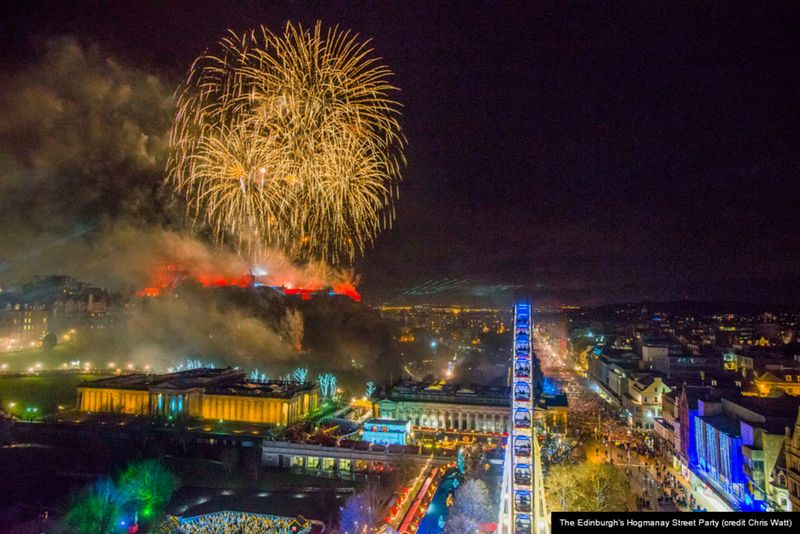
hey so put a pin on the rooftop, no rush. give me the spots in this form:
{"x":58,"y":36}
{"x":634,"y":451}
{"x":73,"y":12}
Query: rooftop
{"x":695,"y":393}
{"x":784,"y":407}
{"x":212,"y":381}
{"x":725,"y":424}
{"x":451,"y":393}
{"x":559,"y":400}
{"x":396,"y":422}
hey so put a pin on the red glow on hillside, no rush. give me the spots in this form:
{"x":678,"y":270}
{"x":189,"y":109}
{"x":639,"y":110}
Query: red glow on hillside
{"x":348,"y":290}
{"x":305,"y":293}
{"x":168,"y":276}
{"x":222,"y":281}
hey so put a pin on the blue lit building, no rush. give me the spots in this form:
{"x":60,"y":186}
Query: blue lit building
{"x":386,"y":431}
{"x":718,"y":441}
{"x":734,"y":446}
{"x":687,"y":410}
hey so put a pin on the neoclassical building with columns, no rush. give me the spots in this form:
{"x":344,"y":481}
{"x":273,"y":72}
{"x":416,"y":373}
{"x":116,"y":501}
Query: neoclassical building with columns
{"x":218,"y":394}
{"x":449,"y":406}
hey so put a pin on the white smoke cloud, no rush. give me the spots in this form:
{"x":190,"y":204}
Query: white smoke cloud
{"x":83,"y":146}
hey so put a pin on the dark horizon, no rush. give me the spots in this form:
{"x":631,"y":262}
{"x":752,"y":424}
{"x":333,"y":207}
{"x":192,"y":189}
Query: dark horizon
{"x":581,"y":154}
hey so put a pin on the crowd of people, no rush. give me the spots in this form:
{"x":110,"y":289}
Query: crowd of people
{"x":671,"y":490}
{"x":662,"y":489}
{"x":241,"y":523}
{"x":592,"y":419}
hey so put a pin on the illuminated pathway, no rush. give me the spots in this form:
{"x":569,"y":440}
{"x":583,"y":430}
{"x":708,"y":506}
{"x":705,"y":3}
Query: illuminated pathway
{"x":428,"y":504}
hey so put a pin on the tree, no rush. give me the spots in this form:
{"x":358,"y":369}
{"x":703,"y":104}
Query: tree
{"x":362,"y":512}
{"x":300,"y":374}
{"x":604,"y":489}
{"x":460,"y":524}
{"x":147,"y":487}
{"x":587,"y":487}
{"x":96,"y":509}
{"x":561,"y":488}
{"x":471,"y":501}
{"x":327,"y":385}
{"x":257,"y":376}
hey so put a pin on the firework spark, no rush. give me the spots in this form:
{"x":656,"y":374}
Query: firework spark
{"x":289,"y":141}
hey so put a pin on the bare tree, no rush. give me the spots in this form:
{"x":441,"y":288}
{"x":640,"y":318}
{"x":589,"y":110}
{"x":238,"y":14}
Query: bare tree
{"x":471,"y":501}
{"x":604,"y":489}
{"x":363,"y":511}
{"x":561,"y":486}
{"x":460,"y":524}
{"x":587,"y":487}
{"x":300,"y":374}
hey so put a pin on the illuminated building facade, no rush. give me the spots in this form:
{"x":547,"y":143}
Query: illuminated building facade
{"x":218,"y":394}
{"x":642,"y":403}
{"x":49,"y":304}
{"x":781,"y":380}
{"x":736,"y":444}
{"x":448,"y":406}
{"x":22,"y":326}
{"x":386,"y":431}
{"x":718,"y":441}
{"x":791,"y":471}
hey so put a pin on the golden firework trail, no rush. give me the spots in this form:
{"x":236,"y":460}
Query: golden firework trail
{"x":289,"y":141}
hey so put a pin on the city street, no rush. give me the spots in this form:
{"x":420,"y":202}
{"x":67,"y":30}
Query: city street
{"x":607,"y":438}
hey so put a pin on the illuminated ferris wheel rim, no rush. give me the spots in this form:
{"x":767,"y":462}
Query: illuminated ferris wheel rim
{"x":521,"y":442}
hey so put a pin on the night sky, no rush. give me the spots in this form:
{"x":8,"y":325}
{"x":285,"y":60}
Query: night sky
{"x":589,"y":152}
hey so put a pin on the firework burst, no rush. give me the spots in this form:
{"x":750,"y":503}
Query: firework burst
{"x":289,"y":141}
